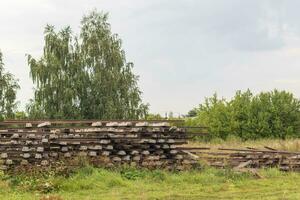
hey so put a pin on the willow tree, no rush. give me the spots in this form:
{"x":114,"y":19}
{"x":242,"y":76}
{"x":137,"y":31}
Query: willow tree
{"x":85,"y":76}
{"x":8,"y":90}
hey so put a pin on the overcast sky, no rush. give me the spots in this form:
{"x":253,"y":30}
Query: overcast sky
{"x":183,"y":50}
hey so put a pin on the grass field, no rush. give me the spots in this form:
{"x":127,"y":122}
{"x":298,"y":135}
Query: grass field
{"x":91,"y":183}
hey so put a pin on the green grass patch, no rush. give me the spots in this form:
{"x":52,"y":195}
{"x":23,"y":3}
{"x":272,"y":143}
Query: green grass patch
{"x":128,"y":183}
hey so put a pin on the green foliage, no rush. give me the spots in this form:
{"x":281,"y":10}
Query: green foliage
{"x":20,"y":115}
{"x":192,"y":113}
{"x":8,"y":91}
{"x":273,"y":114}
{"x":132,"y":174}
{"x":85,"y":76}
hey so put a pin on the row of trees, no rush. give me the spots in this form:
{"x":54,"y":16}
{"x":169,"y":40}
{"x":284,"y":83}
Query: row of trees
{"x":83,"y":76}
{"x":267,"y":114}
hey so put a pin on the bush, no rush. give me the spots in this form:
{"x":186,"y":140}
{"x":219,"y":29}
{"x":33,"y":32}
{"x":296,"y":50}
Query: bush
{"x":274,"y":114}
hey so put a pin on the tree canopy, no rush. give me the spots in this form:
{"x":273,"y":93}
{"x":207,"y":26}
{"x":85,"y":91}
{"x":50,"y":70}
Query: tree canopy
{"x":85,"y":76}
{"x":8,"y":90}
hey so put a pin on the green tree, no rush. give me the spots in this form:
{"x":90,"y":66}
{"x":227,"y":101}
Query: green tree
{"x":85,"y":76}
{"x":275,"y":114}
{"x":192,"y":113}
{"x":214,"y":114}
{"x":239,"y":114}
{"x":269,"y":114}
{"x":8,"y":91}
{"x":55,"y":76}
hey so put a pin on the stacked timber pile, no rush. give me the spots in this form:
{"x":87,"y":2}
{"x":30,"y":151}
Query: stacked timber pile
{"x":151,"y":144}
{"x":251,"y":158}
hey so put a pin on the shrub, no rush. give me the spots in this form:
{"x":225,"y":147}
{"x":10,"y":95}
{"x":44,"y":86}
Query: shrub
{"x":274,"y":114}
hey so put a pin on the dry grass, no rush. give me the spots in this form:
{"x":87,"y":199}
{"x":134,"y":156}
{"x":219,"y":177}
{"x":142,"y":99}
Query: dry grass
{"x":278,"y":144}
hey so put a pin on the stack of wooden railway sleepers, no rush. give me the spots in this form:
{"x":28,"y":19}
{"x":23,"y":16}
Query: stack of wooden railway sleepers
{"x":150,"y":144}
{"x":250,"y":158}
